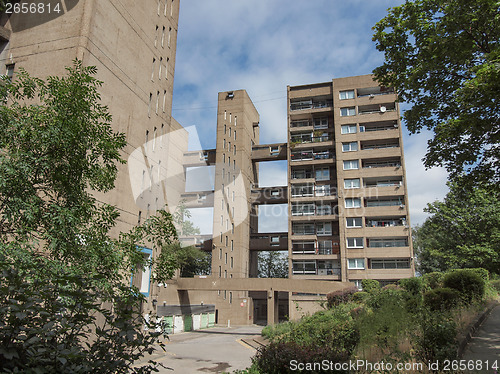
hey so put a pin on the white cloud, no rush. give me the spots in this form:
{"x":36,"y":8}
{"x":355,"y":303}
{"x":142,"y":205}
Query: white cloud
{"x":424,"y":186}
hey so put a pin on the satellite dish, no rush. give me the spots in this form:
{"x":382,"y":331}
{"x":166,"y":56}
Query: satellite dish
{"x":383,"y":109}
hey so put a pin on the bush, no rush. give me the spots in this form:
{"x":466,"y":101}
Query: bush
{"x":370,"y":285}
{"x":435,"y":338}
{"x":360,"y":296}
{"x":433,"y":280}
{"x":377,"y":300}
{"x":342,"y":296}
{"x":441,"y":299}
{"x":276,"y":357}
{"x":468,"y":282}
{"x":496,"y":285}
{"x":483,"y":273}
{"x":413,"y":286}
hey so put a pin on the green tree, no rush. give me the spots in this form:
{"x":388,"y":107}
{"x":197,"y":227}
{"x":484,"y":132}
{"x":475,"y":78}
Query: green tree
{"x":443,"y":57}
{"x":462,"y":232}
{"x":272,"y":264}
{"x":61,"y":273}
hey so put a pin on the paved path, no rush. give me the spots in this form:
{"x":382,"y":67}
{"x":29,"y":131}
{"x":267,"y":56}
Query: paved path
{"x":213,"y":350}
{"x":485,"y":345}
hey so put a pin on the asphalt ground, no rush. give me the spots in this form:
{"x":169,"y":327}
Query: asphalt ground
{"x":214,"y":350}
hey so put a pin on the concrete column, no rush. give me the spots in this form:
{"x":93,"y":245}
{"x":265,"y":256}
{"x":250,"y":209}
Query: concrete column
{"x":272,"y":307}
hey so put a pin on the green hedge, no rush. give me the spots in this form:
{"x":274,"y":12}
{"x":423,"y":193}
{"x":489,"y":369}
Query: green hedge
{"x":466,"y":281}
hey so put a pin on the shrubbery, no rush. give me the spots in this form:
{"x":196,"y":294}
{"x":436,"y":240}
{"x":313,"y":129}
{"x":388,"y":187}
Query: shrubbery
{"x":370,"y":285}
{"x":276,"y":357}
{"x":342,"y":296}
{"x":468,"y":282}
{"x":496,"y":285}
{"x":433,"y":280}
{"x":441,"y":299}
{"x":414,"y":320}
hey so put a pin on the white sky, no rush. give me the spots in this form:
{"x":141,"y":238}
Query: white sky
{"x":264,"y":45}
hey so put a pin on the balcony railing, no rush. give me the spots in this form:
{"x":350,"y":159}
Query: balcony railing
{"x":310,"y":104}
{"x":310,"y":155}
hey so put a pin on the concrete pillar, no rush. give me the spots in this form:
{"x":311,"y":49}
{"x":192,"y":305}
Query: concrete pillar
{"x":272,"y":307}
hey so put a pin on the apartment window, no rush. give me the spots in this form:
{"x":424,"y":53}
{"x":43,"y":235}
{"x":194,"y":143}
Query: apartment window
{"x":149,"y":105}
{"x":225,"y":259}
{"x":156,"y":35}
{"x":221,"y":220}
{"x":351,"y":164}
{"x":351,"y":183}
{"x":348,"y":94}
{"x":353,"y":222}
{"x":220,"y":253}
{"x":169,"y":36}
{"x":159,"y":171}
{"x":234,"y":134}
{"x":139,"y":218}
{"x":348,"y":129}
{"x":157,"y":100}
{"x":354,"y":242}
{"x":224,"y":129}
{"x":146,"y":139}
{"x":150,"y":178}
{"x":233,"y":199}
{"x":159,"y":5}
{"x":232,"y":262}
{"x":226,"y":240}
{"x":221,"y":237}
{"x":165,"y":10}
{"x":390,"y":264}
{"x":353,"y":202}
{"x":220,"y":271}
{"x":387,"y":242}
{"x":356,"y":263}
{"x":143,"y":180}
{"x":234,"y":149}
{"x":324,"y":228}
{"x":159,"y":68}
{"x":224,"y":158}
{"x":225,"y":114}
{"x":230,"y":297}
{"x":166,"y":68}
{"x":347,"y":112}
{"x":235,"y":120}
{"x":153,"y":69}
{"x":232,"y":242}
{"x":9,"y":71}
{"x":154,"y":138}
{"x":164,"y":100}
{"x":349,"y":147}
{"x":172,"y":8}
{"x":322,"y":174}
{"x":161,"y":135}
{"x":224,"y":143}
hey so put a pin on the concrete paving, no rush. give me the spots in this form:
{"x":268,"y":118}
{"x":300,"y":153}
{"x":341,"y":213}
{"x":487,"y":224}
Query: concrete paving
{"x":485,"y":345}
{"x":214,"y":350}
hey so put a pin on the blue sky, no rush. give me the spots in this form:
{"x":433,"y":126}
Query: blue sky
{"x":264,"y":45}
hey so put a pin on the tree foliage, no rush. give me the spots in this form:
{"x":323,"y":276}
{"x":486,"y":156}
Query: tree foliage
{"x":463,"y":231}
{"x":443,"y":57}
{"x":272,"y":264}
{"x":65,"y":303}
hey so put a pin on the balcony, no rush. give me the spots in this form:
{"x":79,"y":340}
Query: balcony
{"x":311,"y":190}
{"x":386,"y":222}
{"x":382,"y":163}
{"x":310,"y":155}
{"x":376,"y":108}
{"x":388,"y":143}
{"x":374,"y":91}
{"x":320,"y":267}
{"x":309,"y":138}
{"x":316,"y":103}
